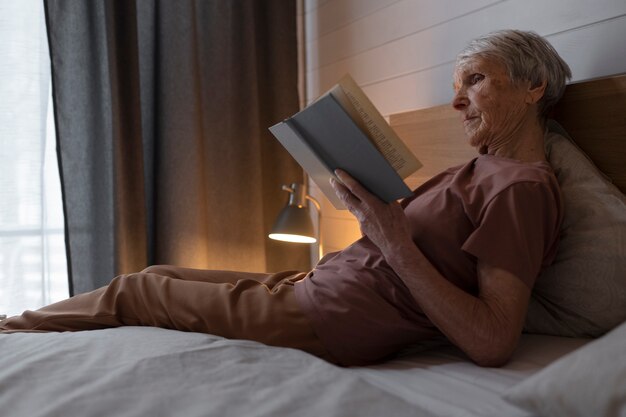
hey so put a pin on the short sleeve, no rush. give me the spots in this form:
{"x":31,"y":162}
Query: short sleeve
{"x":518,"y":230}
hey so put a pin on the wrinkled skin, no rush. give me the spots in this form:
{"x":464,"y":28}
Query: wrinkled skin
{"x":497,"y":113}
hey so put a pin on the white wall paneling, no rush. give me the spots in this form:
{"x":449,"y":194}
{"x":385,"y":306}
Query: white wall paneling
{"x":399,"y":20}
{"x":387,"y":58}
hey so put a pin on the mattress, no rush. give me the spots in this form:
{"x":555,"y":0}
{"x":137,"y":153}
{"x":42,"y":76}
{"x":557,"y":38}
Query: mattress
{"x":144,"y":371}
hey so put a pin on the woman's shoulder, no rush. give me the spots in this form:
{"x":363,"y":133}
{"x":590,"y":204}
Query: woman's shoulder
{"x":487,"y":177}
{"x":501,"y":173}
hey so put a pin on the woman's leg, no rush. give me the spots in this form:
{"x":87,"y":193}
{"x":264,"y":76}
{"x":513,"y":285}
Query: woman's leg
{"x":216,"y":276}
{"x":240,"y":308}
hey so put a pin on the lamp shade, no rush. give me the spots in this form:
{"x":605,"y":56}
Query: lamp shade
{"x":294,"y":225}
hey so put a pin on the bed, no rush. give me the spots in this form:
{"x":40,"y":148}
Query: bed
{"x":571,"y":361}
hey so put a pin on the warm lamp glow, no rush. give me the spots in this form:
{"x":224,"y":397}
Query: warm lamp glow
{"x":292,"y":238}
{"x":294,"y":223}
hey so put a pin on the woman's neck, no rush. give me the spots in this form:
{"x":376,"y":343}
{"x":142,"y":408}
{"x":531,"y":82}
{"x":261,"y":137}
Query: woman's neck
{"x":526,"y":145}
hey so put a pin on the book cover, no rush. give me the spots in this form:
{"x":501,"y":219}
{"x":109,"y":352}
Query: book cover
{"x":342,"y":129}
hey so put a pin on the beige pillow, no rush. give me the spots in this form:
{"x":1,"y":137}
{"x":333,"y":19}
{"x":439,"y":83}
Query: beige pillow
{"x":589,"y":382}
{"x":583,"y":293}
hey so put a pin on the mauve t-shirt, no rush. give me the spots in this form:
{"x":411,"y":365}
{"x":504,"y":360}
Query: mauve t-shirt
{"x":504,"y":212}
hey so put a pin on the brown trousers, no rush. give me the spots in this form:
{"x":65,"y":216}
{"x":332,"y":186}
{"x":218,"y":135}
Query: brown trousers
{"x":235,"y":305}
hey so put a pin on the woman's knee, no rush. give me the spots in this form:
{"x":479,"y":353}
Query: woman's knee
{"x":166,"y":270}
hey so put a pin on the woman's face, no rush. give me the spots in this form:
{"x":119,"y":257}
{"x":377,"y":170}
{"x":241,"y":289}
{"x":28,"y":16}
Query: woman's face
{"x":492,"y":107}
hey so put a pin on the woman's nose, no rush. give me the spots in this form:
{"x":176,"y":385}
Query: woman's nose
{"x":460,"y":100}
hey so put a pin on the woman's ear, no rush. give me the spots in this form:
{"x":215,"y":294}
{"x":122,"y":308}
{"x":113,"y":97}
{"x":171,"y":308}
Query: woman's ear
{"x":534,"y":93}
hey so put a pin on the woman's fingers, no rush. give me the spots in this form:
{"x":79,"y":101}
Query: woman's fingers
{"x":355,"y":187}
{"x":383,"y":223}
{"x":344,"y":194}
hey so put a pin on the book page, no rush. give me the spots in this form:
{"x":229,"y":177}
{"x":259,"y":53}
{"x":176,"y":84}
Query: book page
{"x":371,"y":121}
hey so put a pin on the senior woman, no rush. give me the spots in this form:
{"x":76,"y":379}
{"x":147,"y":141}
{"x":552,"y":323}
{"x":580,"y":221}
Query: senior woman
{"x":457,"y":259}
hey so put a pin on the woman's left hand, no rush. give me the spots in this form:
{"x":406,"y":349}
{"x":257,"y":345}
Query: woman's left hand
{"x":385,"y":224}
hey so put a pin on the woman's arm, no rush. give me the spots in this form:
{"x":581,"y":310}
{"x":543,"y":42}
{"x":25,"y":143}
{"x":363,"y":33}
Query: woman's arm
{"x":487,"y":326}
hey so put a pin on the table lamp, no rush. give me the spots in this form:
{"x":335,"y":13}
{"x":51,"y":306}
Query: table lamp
{"x":293,"y":224}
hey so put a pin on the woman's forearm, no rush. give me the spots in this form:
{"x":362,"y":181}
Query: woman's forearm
{"x":473,"y":323}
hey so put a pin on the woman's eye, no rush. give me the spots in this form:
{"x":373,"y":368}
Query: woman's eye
{"x":475,"y":78}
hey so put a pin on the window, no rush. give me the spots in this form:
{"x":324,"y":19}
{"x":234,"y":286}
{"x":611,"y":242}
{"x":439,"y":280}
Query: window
{"x":33,"y":269}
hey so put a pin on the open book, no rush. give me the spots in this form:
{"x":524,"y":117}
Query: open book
{"x":343,"y":129}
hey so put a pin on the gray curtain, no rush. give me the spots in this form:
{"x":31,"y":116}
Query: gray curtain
{"x":162,"y":109}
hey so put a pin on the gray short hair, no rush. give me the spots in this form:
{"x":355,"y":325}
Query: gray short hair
{"x":528,"y":57}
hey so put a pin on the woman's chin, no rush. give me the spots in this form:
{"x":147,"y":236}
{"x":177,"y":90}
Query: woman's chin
{"x":474,"y":140}
{"x":478,"y":144}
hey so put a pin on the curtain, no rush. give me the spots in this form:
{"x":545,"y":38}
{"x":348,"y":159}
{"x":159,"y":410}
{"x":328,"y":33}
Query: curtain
{"x":33,"y":270}
{"x":162,"y":109}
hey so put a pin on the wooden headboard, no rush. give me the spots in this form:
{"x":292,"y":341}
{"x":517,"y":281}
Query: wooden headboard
{"x":593,"y":113}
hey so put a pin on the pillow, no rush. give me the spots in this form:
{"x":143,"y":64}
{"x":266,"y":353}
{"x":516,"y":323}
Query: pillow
{"x":583,"y":293}
{"x":587,"y":382}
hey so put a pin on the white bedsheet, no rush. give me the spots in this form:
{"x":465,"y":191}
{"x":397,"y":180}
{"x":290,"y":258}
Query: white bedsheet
{"x":142,"y":371}
{"x":442,"y":382}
